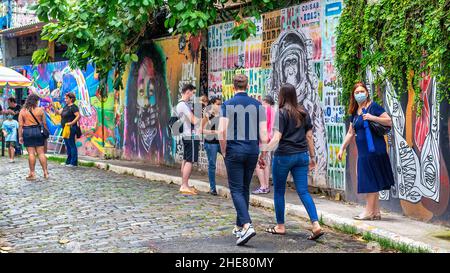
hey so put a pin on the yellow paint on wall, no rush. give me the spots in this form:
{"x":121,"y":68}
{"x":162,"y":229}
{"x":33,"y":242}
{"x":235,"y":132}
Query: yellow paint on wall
{"x":416,"y":211}
{"x":175,"y":60}
{"x":409,"y":111}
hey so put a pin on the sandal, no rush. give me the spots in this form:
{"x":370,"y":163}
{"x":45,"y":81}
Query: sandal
{"x":365,"y":217}
{"x":272,"y":230}
{"x":315,"y":236}
{"x":188,"y":192}
{"x":30,"y":178}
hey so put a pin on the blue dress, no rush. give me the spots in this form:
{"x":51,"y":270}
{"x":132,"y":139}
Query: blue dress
{"x":374,"y":169}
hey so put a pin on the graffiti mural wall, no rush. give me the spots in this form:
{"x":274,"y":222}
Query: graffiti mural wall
{"x":52,"y":81}
{"x":153,"y":87}
{"x":294,"y":45}
{"x":298,"y":46}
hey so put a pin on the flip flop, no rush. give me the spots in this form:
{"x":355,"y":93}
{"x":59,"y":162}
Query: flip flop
{"x":272,"y":230}
{"x":315,"y":236}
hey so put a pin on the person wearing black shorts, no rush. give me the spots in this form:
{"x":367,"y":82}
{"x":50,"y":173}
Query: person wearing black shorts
{"x":191,"y":143}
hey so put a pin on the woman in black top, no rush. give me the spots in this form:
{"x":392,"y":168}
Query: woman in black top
{"x":212,"y":146}
{"x":70,"y":115}
{"x":294,"y":137}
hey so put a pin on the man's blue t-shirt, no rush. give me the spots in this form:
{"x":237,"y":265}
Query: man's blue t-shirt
{"x":10,"y":126}
{"x":244,"y":114}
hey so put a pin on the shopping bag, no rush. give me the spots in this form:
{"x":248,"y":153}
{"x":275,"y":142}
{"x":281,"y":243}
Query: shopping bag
{"x":66,"y":131}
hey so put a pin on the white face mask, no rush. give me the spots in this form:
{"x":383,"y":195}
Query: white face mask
{"x":360,"y":97}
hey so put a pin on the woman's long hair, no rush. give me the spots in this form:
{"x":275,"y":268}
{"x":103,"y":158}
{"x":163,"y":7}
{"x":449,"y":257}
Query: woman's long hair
{"x":353,"y":108}
{"x":31,"y":102}
{"x":288,"y":101}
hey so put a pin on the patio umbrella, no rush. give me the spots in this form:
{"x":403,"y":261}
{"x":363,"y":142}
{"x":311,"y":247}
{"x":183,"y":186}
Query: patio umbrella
{"x":12,"y":79}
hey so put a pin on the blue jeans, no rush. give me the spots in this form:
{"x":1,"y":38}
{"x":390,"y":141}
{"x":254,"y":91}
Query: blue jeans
{"x":211,"y":152}
{"x":297,"y":164}
{"x":240,"y":169}
{"x":71,"y":147}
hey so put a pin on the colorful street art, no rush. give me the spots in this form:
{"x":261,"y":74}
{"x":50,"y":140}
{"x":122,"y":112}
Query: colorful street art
{"x":295,"y":45}
{"x":153,"y":87}
{"x":331,"y":92}
{"x":299,"y":47}
{"x":147,"y":100}
{"x":271,"y":31}
{"x":52,"y":81}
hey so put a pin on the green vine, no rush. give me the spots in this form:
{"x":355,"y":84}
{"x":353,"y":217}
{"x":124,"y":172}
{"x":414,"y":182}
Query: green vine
{"x":406,"y":37}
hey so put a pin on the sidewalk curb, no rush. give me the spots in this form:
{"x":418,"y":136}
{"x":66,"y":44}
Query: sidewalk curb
{"x":329,"y":219}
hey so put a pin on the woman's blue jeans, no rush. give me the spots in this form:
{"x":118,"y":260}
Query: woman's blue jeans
{"x":297,"y":164}
{"x":211,"y":152}
{"x":71,"y":147}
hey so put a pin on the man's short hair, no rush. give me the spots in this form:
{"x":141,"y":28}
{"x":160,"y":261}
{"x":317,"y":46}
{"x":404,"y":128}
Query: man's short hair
{"x":12,"y":100}
{"x":240,"y":82}
{"x":187,"y":87}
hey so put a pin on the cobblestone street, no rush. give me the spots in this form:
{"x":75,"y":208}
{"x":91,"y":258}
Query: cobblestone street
{"x":90,"y":210}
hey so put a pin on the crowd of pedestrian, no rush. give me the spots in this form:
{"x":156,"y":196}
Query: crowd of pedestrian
{"x":253,"y":137}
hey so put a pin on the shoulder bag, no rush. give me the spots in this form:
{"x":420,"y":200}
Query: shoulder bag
{"x":44,"y":132}
{"x":378,"y":128}
{"x":77,"y":127}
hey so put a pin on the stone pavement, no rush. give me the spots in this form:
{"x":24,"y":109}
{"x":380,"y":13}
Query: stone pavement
{"x":90,"y":210}
{"x":393,"y":226}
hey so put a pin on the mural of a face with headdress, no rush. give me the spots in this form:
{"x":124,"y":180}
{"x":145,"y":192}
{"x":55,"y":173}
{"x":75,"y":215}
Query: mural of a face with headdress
{"x":291,"y":63}
{"x":147,"y":106}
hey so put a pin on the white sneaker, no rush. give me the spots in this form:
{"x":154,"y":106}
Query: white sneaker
{"x":11,"y":161}
{"x":246,"y":235}
{"x":237,"y":232}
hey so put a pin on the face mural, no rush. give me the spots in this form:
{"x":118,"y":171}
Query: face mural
{"x":147,"y":107}
{"x":291,"y":63}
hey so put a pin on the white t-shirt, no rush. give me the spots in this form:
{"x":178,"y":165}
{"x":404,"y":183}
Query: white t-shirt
{"x":185,"y":114}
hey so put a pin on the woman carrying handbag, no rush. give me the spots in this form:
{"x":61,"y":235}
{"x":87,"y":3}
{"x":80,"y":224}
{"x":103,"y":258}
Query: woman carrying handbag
{"x":369,"y":121}
{"x":33,"y":133}
{"x":70,"y":115}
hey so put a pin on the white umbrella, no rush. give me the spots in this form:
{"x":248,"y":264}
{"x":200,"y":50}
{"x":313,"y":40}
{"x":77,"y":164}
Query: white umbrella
{"x":12,"y":78}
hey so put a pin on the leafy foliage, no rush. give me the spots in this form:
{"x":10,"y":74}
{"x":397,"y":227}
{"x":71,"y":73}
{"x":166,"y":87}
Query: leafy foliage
{"x":40,"y":56}
{"x":409,"y":38}
{"x":107,"y":32}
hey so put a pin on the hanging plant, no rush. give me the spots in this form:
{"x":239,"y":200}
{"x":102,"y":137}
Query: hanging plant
{"x":408,"y":38}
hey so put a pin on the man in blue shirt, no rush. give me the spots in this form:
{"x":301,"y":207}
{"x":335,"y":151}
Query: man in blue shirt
{"x":9,"y":130}
{"x":242,"y":127}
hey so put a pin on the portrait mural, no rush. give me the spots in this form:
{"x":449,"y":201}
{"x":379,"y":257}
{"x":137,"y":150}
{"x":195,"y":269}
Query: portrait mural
{"x":147,"y":107}
{"x":291,"y":63}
